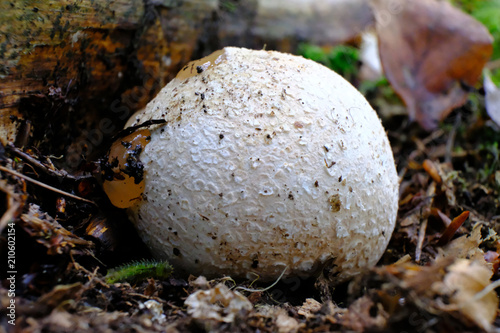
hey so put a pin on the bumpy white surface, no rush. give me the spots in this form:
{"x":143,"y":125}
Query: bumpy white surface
{"x":267,"y":160}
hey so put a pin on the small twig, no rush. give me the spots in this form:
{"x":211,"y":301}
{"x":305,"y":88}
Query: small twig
{"x":420,"y":242}
{"x":39,"y":164}
{"x":433,"y":136}
{"x":154,"y":298}
{"x":446,"y":220}
{"x":32,"y":169}
{"x":432,"y":170}
{"x":132,"y":129}
{"x":92,"y":276}
{"x":48,"y":187}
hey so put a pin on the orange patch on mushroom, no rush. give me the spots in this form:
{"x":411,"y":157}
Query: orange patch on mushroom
{"x":125,"y":189}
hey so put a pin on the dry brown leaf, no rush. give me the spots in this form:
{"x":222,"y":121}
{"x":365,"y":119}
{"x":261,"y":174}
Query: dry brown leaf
{"x":419,"y":278}
{"x":466,"y":247}
{"x":309,"y":308}
{"x":457,"y":281}
{"x":429,"y":49}
{"x":463,"y":282}
{"x":218,"y":304}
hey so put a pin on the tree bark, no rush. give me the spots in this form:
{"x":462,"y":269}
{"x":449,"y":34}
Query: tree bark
{"x":63,"y":62}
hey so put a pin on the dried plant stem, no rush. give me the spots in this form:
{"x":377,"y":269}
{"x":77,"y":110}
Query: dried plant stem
{"x":48,"y":187}
{"x":421,"y":237}
{"x":264,"y":289}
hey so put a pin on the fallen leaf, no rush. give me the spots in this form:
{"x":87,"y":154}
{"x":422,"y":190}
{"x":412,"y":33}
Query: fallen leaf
{"x":419,"y":278}
{"x":309,"y":308}
{"x":219,"y":304}
{"x":492,"y":99}
{"x":463,"y":283}
{"x":429,"y":50}
{"x":465,"y":247}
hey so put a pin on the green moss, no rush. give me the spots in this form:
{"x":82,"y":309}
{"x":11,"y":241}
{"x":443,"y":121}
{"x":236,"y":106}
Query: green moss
{"x":343,"y":59}
{"x":312,"y":52}
{"x":137,"y":271}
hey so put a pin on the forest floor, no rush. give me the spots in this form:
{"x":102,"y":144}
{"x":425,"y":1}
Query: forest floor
{"x":417,"y":285}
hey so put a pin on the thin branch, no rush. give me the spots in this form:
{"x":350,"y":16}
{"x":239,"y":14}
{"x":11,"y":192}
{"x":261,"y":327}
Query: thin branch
{"x":39,"y":164}
{"x":48,"y":187}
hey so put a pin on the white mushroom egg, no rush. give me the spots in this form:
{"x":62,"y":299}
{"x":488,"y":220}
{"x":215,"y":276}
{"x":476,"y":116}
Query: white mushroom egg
{"x":266,"y":161}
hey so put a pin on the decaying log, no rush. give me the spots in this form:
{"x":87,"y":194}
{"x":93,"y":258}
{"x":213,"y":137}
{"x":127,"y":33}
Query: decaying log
{"x":64,"y":61}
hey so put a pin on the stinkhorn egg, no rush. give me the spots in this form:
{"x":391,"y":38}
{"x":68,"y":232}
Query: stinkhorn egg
{"x":265,"y":161}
